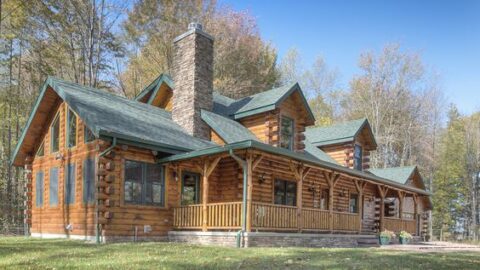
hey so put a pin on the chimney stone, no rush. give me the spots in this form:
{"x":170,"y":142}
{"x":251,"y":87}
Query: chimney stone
{"x":193,"y":77}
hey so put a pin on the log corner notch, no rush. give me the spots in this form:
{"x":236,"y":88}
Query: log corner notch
{"x":207,"y":167}
{"x":332,"y":179}
{"x":382,"y":191}
{"x":105,"y":185}
{"x":28,"y":189}
{"x":300,"y":172}
{"x":360,"y":186}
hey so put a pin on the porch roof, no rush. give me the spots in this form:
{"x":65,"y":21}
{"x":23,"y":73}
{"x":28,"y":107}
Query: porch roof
{"x":287,"y":153}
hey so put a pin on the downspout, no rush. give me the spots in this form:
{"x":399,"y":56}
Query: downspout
{"x":244,"y":200}
{"x":103,"y":153}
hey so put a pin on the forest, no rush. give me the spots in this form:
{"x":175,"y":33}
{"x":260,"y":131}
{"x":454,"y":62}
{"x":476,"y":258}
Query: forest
{"x":122,"y":46}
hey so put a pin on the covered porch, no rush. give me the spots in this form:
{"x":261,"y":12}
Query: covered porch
{"x":257,"y":191}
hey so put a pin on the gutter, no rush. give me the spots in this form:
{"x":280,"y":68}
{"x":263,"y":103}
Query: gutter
{"x":97,"y":227}
{"x":244,"y":199}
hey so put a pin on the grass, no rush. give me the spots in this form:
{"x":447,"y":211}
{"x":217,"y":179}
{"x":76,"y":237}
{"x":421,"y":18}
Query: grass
{"x":27,"y":253}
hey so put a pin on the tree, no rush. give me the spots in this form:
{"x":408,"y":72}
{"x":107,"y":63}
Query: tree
{"x":244,"y":64}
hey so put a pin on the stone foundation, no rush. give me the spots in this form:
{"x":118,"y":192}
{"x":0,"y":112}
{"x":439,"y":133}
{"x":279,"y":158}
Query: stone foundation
{"x":267,"y":239}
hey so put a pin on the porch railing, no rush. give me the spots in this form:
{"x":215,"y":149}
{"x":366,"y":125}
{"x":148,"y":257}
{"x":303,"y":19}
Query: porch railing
{"x":345,"y":221}
{"x":397,"y":225}
{"x":266,"y":216}
{"x":315,"y":219}
{"x":219,"y":216}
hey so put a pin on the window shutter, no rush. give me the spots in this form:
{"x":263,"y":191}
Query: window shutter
{"x":53,"y":198}
{"x":39,"y":189}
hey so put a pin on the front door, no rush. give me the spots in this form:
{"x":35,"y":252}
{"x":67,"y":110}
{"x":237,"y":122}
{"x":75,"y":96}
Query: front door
{"x":368,"y":219}
{"x":190,"y":188}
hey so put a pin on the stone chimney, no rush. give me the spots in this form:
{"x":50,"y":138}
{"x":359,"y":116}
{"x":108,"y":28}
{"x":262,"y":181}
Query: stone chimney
{"x":193,"y":78}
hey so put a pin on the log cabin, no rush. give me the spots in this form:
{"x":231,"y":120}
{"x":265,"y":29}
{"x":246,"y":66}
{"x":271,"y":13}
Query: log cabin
{"x":183,"y":163}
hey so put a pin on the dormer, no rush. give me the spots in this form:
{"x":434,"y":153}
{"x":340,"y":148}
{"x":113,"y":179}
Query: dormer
{"x":348,"y":143}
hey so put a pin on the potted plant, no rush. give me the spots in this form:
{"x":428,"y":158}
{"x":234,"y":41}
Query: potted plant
{"x":385,"y":237}
{"x":404,"y":237}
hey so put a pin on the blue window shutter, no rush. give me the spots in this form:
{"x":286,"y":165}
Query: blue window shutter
{"x":53,"y":186}
{"x":70,"y":183}
{"x":88,"y":180}
{"x":39,"y":189}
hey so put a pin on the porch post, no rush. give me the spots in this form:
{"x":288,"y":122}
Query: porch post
{"x":401,"y":196}
{"x":300,"y":174}
{"x":249,"y":192}
{"x":383,"y":192}
{"x":208,"y":167}
{"x":332,"y":179}
{"x":360,"y":186}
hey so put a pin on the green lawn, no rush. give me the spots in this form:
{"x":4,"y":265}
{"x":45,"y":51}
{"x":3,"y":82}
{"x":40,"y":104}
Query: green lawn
{"x":25,"y":253}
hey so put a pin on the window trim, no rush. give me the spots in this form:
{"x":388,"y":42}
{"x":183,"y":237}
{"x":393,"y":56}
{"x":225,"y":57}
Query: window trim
{"x":197,"y":183}
{"x":285,"y":195}
{"x":163,"y":204}
{"x":355,"y":158}
{"x":56,"y":118}
{"x":42,"y":145}
{"x":67,"y":129}
{"x":292,"y":139}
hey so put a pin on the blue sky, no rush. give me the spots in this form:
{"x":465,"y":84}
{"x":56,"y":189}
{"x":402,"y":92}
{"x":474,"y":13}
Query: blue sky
{"x":446,"y":33}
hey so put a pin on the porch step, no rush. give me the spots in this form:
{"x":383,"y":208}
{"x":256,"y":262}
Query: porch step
{"x":368,"y":242}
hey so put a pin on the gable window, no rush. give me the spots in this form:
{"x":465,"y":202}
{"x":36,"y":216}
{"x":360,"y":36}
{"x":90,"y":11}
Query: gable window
{"x":88,"y":180}
{"x":190,"y":188}
{"x":353,"y":204}
{"x":286,"y":132}
{"x":55,"y":134}
{"x":357,"y":158}
{"x":88,"y":134}
{"x":41,"y":150}
{"x":53,"y":184}
{"x":285,"y":192}
{"x":70,"y":183}
{"x":144,"y":183}
{"x":71,"y":129}
{"x":39,"y":189}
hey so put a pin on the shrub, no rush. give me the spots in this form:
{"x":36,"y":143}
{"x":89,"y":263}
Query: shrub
{"x":406,"y":235}
{"x":387,"y":234}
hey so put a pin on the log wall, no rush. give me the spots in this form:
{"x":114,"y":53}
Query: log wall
{"x":54,"y":219}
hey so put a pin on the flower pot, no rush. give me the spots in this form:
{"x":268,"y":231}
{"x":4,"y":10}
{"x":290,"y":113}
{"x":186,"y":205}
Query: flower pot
{"x":403,"y":240}
{"x":384,"y":240}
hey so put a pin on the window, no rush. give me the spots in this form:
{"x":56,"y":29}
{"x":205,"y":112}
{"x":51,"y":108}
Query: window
{"x":88,"y":135}
{"x":357,"y":158}
{"x":41,"y":150}
{"x":39,"y":189}
{"x":53,"y":184}
{"x":190,"y":188}
{"x":144,"y":183}
{"x":286,"y":133}
{"x":88,"y":180}
{"x":285,"y":192}
{"x":70,"y":183}
{"x":353,"y":205}
{"x":71,"y":129}
{"x":324,"y":199}
{"x":55,"y":134}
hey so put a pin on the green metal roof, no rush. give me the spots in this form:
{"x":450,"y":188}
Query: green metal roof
{"x":397,"y":174}
{"x":109,"y":115}
{"x":291,"y":154}
{"x":229,"y":130}
{"x":337,"y":133}
{"x":258,"y":103}
{"x":154,"y":86}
